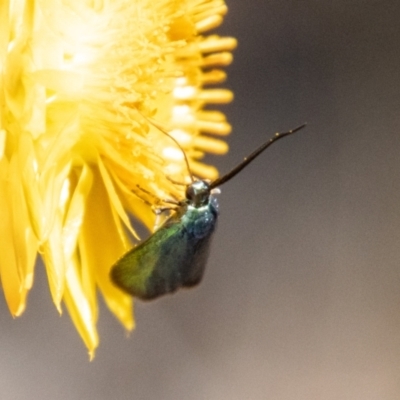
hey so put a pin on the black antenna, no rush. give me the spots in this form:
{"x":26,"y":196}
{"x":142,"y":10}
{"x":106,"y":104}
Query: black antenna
{"x":157,"y":126}
{"x":247,"y":160}
{"x":183,"y":152}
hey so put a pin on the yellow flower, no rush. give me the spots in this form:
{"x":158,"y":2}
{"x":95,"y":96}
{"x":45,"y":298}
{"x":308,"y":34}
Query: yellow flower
{"x":88,"y":90}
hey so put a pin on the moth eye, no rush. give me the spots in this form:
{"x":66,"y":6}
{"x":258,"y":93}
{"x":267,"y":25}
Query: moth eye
{"x":190,"y":192}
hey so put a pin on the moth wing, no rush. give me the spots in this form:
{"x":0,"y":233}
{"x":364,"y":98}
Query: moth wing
{"x":201,"y":251}
{"x":161,"y":264}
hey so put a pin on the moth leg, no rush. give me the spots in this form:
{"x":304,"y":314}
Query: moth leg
{"x":158,"y":210}
{"x":142,"y":198}
{"x":156,"y":204}
{"x":147,"y":192}
{"x":160,"y":217}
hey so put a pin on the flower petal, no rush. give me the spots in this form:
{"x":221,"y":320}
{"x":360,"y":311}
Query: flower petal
{"x":114,"y":198}
{"x":79,"y":308}
{"x":10,"y":277}
{"x":100,"y":245}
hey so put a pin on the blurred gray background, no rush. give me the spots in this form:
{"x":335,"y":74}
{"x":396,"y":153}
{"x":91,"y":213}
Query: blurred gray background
{"x":301,"y":299}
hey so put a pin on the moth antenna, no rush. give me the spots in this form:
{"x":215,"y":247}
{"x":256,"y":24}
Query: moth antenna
{"x":247,"y":160}
{"x":176,"y":142}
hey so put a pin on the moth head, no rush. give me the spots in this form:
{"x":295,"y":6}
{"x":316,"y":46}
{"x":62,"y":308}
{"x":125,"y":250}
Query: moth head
{"x":198,"y":193}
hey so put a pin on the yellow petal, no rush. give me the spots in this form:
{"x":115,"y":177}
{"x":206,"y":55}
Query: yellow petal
{"x":79,"y":308}
{"x":76,"y":211}
{"x":100,"y":246}
{"x":18,"y":245}
{"x":71,"y":231}
{"x":133,"y":203}
{"x":4,"y":30}
{"x":114,"y":198}
{"x":24,"y":238}
{"x":8,"y":264}
{"x":54,"y":261}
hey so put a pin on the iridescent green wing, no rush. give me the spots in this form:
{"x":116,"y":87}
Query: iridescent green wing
{"x":169,"y":259}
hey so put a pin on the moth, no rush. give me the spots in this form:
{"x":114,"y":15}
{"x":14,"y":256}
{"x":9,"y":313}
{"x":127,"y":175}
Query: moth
{"x":175,"y":256}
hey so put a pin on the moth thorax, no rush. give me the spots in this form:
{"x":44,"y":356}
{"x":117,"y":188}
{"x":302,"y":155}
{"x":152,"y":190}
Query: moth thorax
{"x":198,"y":193}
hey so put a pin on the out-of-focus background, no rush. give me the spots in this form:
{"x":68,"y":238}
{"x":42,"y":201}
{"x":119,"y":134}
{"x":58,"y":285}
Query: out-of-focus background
{"x":301,"y":298}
